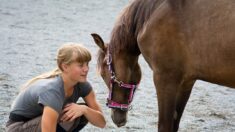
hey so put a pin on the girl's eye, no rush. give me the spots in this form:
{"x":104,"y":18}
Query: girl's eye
{"x":80,"y":65}
{"x":83,"y":64}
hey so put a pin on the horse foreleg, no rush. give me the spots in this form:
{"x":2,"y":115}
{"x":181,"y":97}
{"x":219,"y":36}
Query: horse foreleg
{"x":167,"y":86}
{"x":183,"y":93}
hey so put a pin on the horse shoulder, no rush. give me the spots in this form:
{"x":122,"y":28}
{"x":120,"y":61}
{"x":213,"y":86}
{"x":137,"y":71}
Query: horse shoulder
{"x":160,"y":39}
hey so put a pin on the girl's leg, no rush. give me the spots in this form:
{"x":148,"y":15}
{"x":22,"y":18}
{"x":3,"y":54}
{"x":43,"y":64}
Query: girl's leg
{"x":59,"y":128}
{"x":33,"y":125}
{"x":73,"y":126}
{"x":79,"y":124}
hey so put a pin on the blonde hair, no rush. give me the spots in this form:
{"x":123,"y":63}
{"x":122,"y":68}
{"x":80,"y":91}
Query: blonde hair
{"x":66,"y":54}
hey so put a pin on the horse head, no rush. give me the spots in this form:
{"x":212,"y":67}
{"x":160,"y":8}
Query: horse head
{"x":121,"y":73}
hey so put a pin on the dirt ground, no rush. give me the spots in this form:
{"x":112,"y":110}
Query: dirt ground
{"x":32,"y":30}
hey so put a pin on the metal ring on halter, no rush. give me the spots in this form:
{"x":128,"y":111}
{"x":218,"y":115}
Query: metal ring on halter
{"x":117,"y":81}
{"x":120,"y":83}
{"x":113,"y":77}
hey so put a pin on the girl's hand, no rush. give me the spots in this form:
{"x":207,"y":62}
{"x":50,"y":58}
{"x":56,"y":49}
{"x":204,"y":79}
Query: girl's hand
{"x":72,"y":111}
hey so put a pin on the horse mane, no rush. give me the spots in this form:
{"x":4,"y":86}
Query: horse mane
{"x":129,"y":23}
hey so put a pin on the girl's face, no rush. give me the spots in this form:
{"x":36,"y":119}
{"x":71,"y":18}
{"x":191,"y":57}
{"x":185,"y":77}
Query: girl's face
{"x":78,"y":71}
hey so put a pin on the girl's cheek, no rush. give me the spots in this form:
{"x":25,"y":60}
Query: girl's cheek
{"x":78,"y":70}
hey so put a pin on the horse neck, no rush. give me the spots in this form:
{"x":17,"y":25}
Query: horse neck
{"x":130,"y":23}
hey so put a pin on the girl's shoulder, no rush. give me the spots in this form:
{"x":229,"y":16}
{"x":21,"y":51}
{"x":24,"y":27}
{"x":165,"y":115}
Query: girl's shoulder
{"x":83,"y":84}
{"x":43,"y":85}
{"x":84,"y":88}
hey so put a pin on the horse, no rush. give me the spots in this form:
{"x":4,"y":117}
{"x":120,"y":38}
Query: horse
{"x":181,"y":40}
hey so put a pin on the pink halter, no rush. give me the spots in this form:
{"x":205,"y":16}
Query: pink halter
{"x":110,"y":103}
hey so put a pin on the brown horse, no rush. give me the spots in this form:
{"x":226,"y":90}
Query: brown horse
{"x":181,"y":40}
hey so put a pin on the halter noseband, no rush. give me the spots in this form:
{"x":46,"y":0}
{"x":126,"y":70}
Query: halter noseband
{"x":110,"y":103}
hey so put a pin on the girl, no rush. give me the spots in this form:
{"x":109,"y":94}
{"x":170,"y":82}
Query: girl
{"x":47,"y":103}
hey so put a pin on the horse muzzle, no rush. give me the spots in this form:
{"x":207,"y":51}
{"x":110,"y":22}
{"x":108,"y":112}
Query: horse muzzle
{"x":119,"y":117}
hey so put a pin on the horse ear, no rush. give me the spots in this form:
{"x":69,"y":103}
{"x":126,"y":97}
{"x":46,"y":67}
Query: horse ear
{"x":98,"y":40}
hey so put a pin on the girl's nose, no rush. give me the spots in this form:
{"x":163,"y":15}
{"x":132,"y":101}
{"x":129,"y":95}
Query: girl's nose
{"x":86,"y":68}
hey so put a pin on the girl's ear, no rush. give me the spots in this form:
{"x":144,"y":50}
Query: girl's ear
{"x":64,"y":67}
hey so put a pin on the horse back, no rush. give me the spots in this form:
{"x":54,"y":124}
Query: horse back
{"x":196,"y":39}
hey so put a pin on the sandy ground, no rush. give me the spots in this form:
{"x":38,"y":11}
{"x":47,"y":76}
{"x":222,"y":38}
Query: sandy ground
{"x":32,"y":30}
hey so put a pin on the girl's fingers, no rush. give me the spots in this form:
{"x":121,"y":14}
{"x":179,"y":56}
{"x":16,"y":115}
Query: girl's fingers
{"x":73,"y":118}
{"x":66,"y":116}
{"x":66,"y":109}
{"x":68,"y":106}
{"x":70,"y":113}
